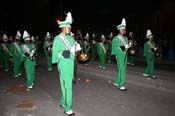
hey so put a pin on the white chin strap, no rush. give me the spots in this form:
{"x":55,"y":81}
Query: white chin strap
{"x":67,"y":31}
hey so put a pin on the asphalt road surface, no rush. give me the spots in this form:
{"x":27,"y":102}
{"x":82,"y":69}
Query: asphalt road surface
{"x":95,"y":97}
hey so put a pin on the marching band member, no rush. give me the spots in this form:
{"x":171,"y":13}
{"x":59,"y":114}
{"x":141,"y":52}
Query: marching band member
{"x":86,"y":46}
{"x":93,"y":47}
{"x":16,"y":55}
{"x":149,"y":53}
{"x":28,"y":52}
{"x":63,"y":53}
{"x":101,"y":51}
{"x":108,"y":44}
{"x":120,"y":46}
{"x":6,"y":52}
{"x":48,"y":50}
{"x":132,"y":49}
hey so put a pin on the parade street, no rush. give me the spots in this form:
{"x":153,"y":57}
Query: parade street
{"x":93,"y":94}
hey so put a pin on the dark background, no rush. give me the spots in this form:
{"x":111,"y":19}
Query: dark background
{"x":39,"y":16}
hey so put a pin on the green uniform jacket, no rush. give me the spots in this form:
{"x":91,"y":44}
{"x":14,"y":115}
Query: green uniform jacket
{"x":45,"y":46}
{"x":25,"y":58}
{"x":15,"y":50}
{"x":108,"y":48}
{"x":101,"y":48}
{"x":59,"y":47}
{"x":147,"y":49}
{"x":118,"y":41}
{"x":86,"y":47}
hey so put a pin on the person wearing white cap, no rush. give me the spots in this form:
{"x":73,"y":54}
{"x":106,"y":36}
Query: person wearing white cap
{"x":101,"y":51}
{"x":28,"y":52}
{"x":132,"y":49}
{"x":86,"y":46}
{"x":149,"y":53}
{"x":63,"y":53}
{"x":108,"y":44}
{"x":48,"y":50}
{"x":33,"y":41}
{"x":6,"y":52}
{"x":93,"y":47}
{"x":16,"y":55}
{"x":120,"y":46}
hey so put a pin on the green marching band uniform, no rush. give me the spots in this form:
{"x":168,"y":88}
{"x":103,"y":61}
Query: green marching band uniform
{"x":86,"y":46}
{"x":149,"y":53}
{"x":6,"y":52}
{"x":15,"y":50}
{"x":108,"y":46}
{"x":1,"y":55}
{"x":93,"y":47}
{"x":48,"y":50}
{"x":120,"y":46}
{"x":101,"y":51}
{"x":132,"y":50}
{"x":34,"y":42}
{"x":28,"y":52}
{"x":63,"y":53}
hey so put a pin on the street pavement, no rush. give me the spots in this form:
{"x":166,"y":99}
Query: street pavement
{"x":94,"y":93}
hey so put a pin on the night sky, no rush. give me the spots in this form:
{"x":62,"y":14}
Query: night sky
{"x":39,"y":16}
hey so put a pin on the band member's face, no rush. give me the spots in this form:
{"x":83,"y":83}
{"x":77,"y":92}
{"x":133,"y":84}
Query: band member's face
{"x":122,"y":31}
{"x":151,"y":39}
{"x":27,"y":41}
{"x":68,"y":30}
{"x":103,"y":40}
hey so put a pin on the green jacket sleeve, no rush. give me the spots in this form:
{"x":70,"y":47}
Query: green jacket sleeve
{"x":56,"y":50}
{"x":147,"y":49}
{"x":115,"y":46}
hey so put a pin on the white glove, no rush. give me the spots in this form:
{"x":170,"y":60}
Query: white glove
{"x":75,"y":48}
{"x":78,"y":48}
{"x":127,"y":46}
{"x":72,"y":49}
{"x":155,"y":49}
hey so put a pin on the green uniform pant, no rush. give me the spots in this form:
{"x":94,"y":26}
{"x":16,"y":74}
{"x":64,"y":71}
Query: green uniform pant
{"x":49,"y":62}
{"x":66,"y":70}
{"x":109,"y":57}
{"x":131,"y":59}
{"x":93,"y":52}
{"x":121,"y":75}
{"x":16,"y":65}
{"x":150,"y":66}
{"x":102,"y":58}
{"x":6,"y":59}
{"x":30,"y":71}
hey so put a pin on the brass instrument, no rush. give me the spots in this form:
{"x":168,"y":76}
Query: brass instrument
{"x":29,"y":53}
{"x":50,"y":49}
{"x":132,"y":49}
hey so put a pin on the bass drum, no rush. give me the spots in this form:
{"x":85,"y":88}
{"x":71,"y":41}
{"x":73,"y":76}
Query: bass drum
{"x":132,"y":52}
{"x":83,"y":58}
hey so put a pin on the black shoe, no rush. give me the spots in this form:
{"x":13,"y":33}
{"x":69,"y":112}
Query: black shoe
{"x":73,"y":114}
